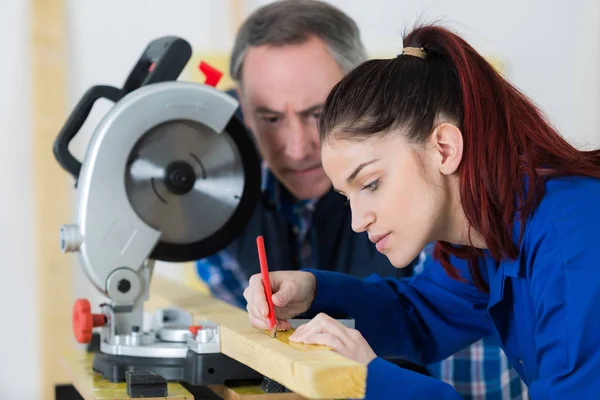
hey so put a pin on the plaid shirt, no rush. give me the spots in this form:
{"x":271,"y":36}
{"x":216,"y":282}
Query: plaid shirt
{"x":481,"y":371}
{"x":221,"y":271}
{"x":478,"y":372}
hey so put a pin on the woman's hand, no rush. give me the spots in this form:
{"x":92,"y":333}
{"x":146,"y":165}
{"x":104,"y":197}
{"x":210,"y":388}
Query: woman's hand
{"x":329,"y":332}
{"x":293,"y":293}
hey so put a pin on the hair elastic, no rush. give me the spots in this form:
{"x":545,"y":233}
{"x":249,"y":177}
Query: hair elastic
{"x":415,"y":52}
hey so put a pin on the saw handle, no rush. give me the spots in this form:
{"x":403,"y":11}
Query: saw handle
{"x":76,"y":121}
{"x":162,"y":60}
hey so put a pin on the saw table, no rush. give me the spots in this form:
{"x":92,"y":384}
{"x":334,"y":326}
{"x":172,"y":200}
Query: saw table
{"x":91,"y":386}
{"x":313,"y":371}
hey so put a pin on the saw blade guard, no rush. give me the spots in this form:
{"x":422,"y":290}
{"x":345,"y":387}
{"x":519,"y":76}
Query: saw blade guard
{"x":169,"y":174}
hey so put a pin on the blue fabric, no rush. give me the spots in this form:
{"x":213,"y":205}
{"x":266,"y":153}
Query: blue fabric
{"x":541,"y":307}
{"x":480,"y":371}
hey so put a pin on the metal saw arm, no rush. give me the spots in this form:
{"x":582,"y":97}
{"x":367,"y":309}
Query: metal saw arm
{"x":112,"y":237}
{"x":169,"y":174}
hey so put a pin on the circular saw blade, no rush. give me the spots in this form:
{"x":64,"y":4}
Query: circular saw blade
{"x":185,"y":180}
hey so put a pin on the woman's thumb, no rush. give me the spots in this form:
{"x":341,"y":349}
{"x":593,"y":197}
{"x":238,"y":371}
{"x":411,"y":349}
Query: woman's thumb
{"x":282,"y":296}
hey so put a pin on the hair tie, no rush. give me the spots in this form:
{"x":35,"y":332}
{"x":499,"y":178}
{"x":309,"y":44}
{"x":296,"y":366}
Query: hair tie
{"x":415,"y":52}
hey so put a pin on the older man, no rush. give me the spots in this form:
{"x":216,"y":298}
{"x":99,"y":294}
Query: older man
{"x":286,"y":58}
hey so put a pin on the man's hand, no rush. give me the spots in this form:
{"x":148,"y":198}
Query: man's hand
{"x":329,"y":332}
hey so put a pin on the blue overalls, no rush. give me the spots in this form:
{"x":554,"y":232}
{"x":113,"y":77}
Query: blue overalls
{"x":543,"y":306}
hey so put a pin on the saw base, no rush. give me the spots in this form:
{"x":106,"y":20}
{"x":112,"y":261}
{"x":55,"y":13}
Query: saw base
{"x":195,"y":369}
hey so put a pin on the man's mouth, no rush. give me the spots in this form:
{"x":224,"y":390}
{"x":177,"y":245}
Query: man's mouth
{"x":303,"y":171}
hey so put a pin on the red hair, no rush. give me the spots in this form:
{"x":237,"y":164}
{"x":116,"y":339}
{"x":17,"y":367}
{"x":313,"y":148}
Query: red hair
{"x":509,"y":147}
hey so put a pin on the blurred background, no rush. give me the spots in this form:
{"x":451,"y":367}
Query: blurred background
{"x":54,"y":50}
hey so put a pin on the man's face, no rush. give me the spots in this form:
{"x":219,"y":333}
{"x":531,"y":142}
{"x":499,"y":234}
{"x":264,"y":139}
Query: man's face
{"x":282,"y":92}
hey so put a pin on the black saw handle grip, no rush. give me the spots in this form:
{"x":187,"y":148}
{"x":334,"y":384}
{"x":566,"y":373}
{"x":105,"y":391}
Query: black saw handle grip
{"x":162,"y":60}
{"x":75,"y":122}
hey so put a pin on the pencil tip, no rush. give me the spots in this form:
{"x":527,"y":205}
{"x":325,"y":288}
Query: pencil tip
{"x":274,"y":331}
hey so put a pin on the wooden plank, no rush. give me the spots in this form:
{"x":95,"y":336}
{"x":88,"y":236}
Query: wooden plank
{"x":51,"y":187}
{"x":251,"y":392}
{"x":311,"y":371}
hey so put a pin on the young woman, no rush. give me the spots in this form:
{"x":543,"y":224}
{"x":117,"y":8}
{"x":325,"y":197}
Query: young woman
{"x":435,"y":145}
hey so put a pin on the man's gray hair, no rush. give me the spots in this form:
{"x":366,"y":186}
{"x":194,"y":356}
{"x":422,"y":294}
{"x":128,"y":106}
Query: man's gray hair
{"x":294,"y":21}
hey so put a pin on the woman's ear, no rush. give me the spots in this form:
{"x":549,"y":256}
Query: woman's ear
{"x":447,"y":142}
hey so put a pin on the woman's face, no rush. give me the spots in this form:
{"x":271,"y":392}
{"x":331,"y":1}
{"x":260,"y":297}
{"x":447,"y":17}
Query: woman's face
{"x":396,"y":190}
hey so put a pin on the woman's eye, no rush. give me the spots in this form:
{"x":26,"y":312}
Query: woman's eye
{"x":372,"y":186}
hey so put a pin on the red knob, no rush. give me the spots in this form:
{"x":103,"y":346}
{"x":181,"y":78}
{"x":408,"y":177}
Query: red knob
{"x":84,"y":321}
{"x":194,"y":329}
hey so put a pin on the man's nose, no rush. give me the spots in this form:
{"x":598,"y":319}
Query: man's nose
{"x":298,"y":140}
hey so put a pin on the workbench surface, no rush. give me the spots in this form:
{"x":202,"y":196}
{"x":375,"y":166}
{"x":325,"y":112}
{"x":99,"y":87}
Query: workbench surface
{"x":91,"y":386}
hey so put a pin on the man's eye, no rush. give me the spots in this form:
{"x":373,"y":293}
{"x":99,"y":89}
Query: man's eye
{"x":372,"y":186}
{"x":270,"y":119}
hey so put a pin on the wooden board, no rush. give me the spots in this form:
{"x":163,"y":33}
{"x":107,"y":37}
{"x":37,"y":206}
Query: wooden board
{"x":251,"y":392}
{"x":311,"y":371}
{"x":52,"y":188}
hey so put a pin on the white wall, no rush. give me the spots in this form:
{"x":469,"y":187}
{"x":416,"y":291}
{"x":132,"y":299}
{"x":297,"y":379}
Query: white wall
{"x":17,"y":280}
{"x":551,"y":50}
{"x":551,"y":47}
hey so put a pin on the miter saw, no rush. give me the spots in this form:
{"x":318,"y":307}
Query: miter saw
{"x":169,"y":174}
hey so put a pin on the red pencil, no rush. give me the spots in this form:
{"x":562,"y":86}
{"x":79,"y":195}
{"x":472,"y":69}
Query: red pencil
{"x":264,"y":269}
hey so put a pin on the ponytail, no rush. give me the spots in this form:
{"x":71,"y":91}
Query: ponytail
{"x":510,"y":149}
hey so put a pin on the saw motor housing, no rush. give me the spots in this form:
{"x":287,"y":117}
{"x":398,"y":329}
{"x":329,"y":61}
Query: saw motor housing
{"x":169,"y":174}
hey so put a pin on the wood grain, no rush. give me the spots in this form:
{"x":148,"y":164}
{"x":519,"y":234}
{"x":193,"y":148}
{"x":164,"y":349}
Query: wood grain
{"x":251,"y":393}
{"x":311,"y":371}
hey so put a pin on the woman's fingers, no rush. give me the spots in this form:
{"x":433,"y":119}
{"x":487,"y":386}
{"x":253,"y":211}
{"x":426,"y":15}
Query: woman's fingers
{"x":283,"y":325}
{"x":255,"y":297}
{"x":327,"y":331}
{"x":288,"y":298}
{"x":286,"y":291}
{"x":329,"y":340}
{"x":322,"y":323}
{"x":258,"y":322}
